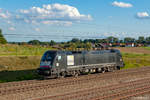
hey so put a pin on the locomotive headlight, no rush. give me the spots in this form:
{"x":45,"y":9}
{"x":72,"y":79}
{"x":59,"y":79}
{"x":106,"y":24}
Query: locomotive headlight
{"x":121,"y":59}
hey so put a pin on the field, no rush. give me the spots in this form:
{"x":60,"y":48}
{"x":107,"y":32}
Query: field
{"x":135,"y":50}
{"x":17,"y":68}
{"x":22,"y":50}
{"x":135,"y":56}
{"x":19,"y":62}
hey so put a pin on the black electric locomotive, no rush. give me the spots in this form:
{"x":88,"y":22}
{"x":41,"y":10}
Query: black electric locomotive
{"x":62,"y":63}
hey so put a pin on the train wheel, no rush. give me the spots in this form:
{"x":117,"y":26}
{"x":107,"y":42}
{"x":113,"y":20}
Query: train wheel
{"x":98,"y":70}
{"x":63,"y":74}
{"x":110,"y":69}
{"x":103,"y":70}
{"x":106,"y":69}
{"x":76,"y":73}
{"x":118,"y":67}
{"x":115,"y":68}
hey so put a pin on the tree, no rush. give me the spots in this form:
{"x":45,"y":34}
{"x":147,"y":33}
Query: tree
{"x":2,"y":39}
{"x":34,"y":42}
{"x":129,"y":40}
{"x":88,"y":46}
{"x":141,"y":39}
{"x":112,"y":39}
{"x":148,"y":40}
{"x":75,"y":40}
{"x":89,"y":40}
{"x":121,"y":41}
{"x":52,"y":43}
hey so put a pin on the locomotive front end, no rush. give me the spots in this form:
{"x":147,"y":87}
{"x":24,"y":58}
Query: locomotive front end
{"x":44,"y":69}
{"x":46,"y":63}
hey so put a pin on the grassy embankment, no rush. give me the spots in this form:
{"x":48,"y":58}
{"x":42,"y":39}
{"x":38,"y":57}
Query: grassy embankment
{"x":22,"y":50}
{"x":19,"y":62}
{"x":135,"y":57}
{"x":136,"y":60}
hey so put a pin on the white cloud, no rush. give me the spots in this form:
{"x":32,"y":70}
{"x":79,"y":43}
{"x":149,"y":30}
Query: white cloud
{"x":12,"y":29}
{"x":4,"y":14}
{"x":53,"y":14}
{"x":122,"y":4}
{"x":62,"y":23}
{"x":37,"y":29}
{"x":143,"y":15}
{"x":9,"y":22}
{"x":26,"y":20}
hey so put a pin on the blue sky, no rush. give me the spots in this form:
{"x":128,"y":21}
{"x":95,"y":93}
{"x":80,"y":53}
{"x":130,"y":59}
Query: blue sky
{"x":62,"y":20}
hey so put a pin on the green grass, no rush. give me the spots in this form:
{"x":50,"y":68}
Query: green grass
{"x":19,"y":62}
{"x":13,"y":63}
{"x":148,"y":48}
{"x":136,"y":60}
{"x":24,"y":68}
{"x":18,"y":68}
{"x":22,"y":50}
{"x":20,"y":75}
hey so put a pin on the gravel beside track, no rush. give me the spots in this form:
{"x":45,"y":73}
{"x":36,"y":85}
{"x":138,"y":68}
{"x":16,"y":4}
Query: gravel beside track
{"x":30,"y":82}
{"x":92,"y":86}
{"x":106,"y":92}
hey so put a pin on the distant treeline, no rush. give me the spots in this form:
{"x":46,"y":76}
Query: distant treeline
{"x":78,"y":44}
{"x":87,"y":43}
{"x":111,"y":39}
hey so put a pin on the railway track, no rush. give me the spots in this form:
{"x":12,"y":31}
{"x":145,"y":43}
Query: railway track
{"x":30,"y":82}
{"x":111,"y":92}
{"x":23,"y":87}
{"x":128,"y":93}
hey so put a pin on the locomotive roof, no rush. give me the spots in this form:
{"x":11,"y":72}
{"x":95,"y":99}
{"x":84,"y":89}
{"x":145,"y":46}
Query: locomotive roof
{"x":77,"y":52}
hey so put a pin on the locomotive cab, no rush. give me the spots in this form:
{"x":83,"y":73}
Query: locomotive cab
{"x":46,"y":63}
{"x":120,"y":62}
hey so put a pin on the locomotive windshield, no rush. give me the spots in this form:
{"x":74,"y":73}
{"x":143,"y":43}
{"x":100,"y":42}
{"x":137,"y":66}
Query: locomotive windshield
{"x":49,"y":56}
